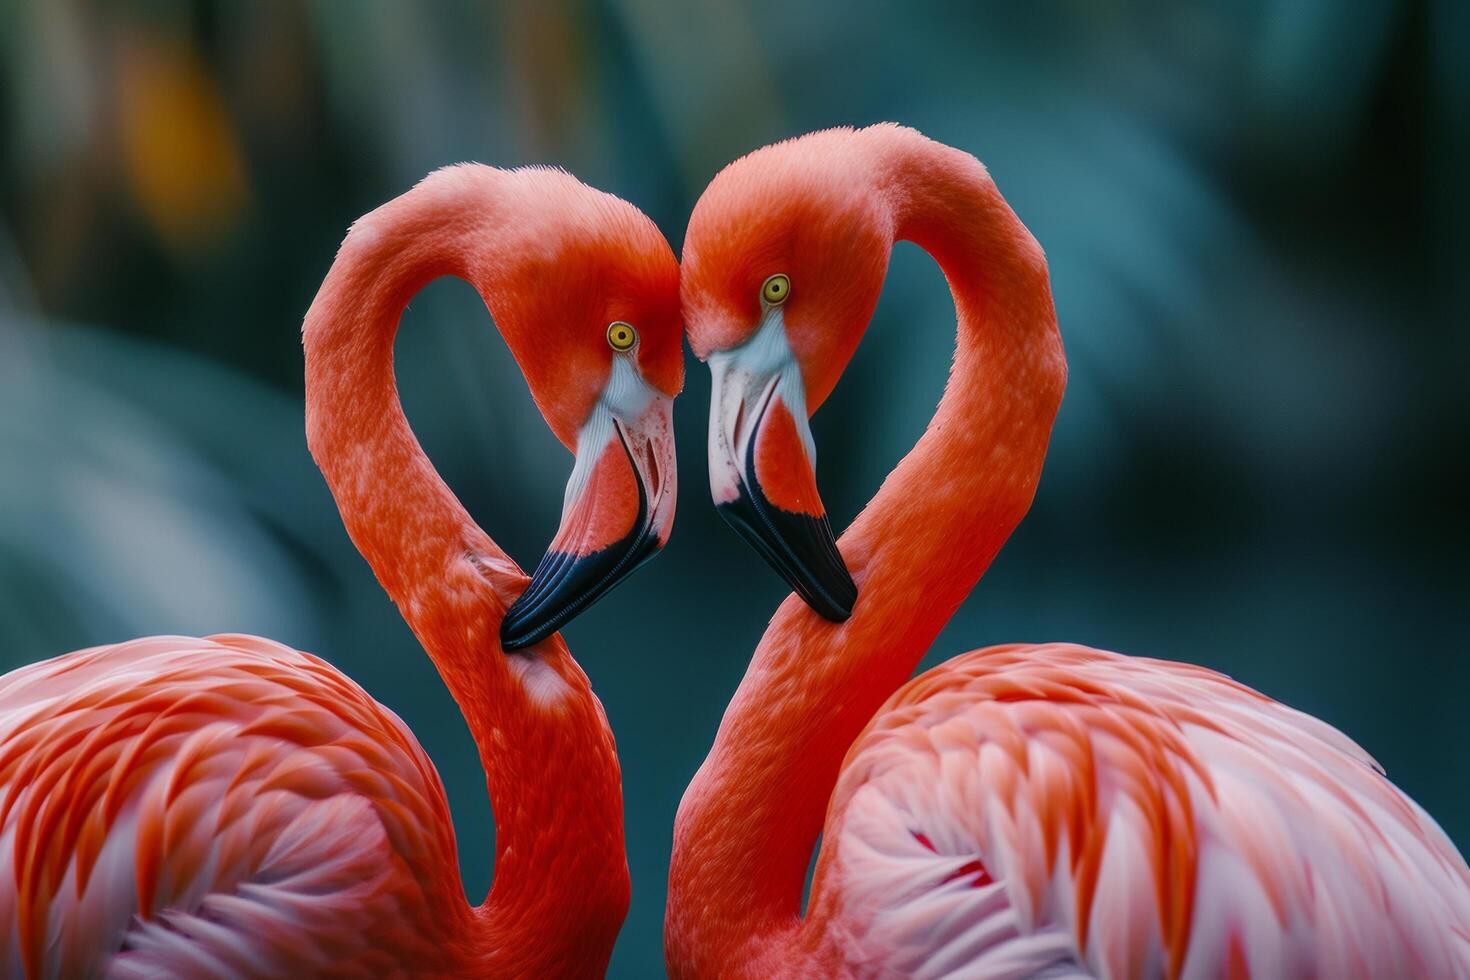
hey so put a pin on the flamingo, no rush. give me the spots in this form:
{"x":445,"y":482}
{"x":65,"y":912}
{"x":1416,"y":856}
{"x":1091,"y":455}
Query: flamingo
{"x":1019,"y":811}
{"x":227,"y":806}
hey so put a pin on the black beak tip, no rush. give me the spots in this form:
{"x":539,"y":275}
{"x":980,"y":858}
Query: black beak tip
{"x":512,"y":639}
{"x":519,"y":629}
{"x":542,"y":608}
{"x":836,"y":602}
{"x":800,"y":548}
{"x":564,"y":585}
{"x":828,"y":589}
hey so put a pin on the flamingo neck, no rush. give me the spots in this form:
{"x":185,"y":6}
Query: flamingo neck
{"x":560,"y":886}
{"x":753,"y":813}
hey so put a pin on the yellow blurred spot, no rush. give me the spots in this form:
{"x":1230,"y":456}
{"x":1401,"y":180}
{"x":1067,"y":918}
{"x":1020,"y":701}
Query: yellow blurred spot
{"x":181,"y":153}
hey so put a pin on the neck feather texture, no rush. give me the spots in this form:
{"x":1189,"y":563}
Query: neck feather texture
{"x":561,"y":882}
{"x":753,"y":813}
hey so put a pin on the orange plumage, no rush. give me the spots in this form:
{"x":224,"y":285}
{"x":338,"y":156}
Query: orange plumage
{"x":179,"y":806}
{"x":1047,"y":811}
{"x":230,"y":807}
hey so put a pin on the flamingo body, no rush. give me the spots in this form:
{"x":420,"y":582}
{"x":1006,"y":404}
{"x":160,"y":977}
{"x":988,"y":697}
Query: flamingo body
{"x":228,"y":807}
{"x":1025,"y":811}
{"x":224,"y":806}
{"x":1061,"y":811}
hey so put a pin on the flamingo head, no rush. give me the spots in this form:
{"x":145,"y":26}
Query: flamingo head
{"x":586,"y":294}
{"x":783,"y":261}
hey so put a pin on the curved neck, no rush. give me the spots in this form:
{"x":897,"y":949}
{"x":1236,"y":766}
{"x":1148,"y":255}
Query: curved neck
{"x":560,"y":885}
{"x":751,"y":816}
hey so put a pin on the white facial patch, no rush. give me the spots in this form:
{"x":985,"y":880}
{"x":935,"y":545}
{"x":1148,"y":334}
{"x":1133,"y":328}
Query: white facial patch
{"x":625,"y":396}
{"x":745,"y":378}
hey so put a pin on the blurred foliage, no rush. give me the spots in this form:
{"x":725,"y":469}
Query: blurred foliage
{"x":1256,"y":217}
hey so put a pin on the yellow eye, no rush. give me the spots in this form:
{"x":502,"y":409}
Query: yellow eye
{"x":776,"y":289}
{"x":621,"y":336}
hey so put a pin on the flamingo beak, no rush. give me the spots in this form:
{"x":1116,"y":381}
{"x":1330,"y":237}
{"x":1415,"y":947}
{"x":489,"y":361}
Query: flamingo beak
{"x":617,"y":512}
{"x":762,"y":466}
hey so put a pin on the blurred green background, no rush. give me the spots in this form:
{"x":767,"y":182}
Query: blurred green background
{"x":1256,"y":217}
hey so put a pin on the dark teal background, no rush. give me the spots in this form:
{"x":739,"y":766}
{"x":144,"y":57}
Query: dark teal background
{"x":1256,"y":220}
